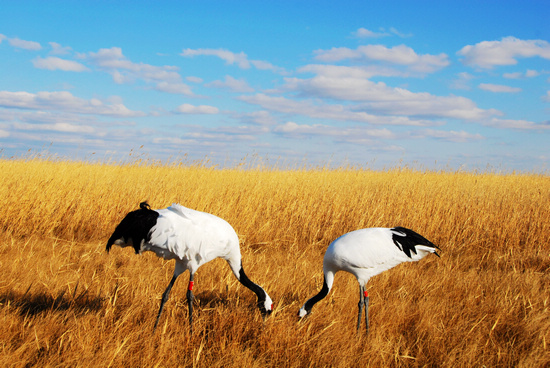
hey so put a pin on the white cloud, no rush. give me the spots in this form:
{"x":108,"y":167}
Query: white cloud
{"x":223,"y":135}
{"x":326,"y":111}
{"x":241,"y":59}
{"x":57,"y":49}
{"x":498,"y":88}
{"x":194,"y":79}
{"x":235,"y":85}
{"x":174,"y":88}
{"x":426,"y":104}
{"x":365,"y":33}
{"x":163,"y":78}
{"x":450,"y":136}
{"x":488,"y":54}
{"x":174,"y":141}
{"x":519,"y":75}
{"x":261,"y":117}
{"x":201,"y":109}
{"x":264,"y":65}
{"x":531,"y":73}
{"x":379,"y":97}
{"x":55,"y":63}
{"x":546,"y":97}
{"x":515,"y":124}
{"x":462,"y":81}
{"x":231,"y":58}
{"x":400,"y":34}
{"x":295,"y":130}
{"x":397,"y":55}
{"x":216,"y":137}
{"x":341,"y":71}
{"x":57,"y":127}
{"x":63,"y":101}
{"x":2,"y":37}
{"x":26,"y":45}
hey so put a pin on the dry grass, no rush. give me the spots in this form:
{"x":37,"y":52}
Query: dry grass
{"x":65,"y":302}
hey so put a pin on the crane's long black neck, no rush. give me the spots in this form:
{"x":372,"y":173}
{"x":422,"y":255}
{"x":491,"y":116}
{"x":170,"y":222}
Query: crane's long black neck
{"x":260,"y":293}
{"x":311,"y":302}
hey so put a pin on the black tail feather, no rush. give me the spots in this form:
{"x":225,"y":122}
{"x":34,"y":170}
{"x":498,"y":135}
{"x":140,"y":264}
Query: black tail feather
{"x":409,"y":240}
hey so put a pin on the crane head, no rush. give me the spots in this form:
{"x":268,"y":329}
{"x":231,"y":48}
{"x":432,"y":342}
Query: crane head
{"x":134,"y":228}
{"x":266,"y":307}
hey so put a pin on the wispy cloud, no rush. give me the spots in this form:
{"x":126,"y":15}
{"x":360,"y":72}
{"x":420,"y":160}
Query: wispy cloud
{"x":351,"y":134}
{"x":522,"y":75}
{"x":335,"y":112}
{"x":488,"y":54}
{"x":64,"y":101}
{"x":366,"y":33}
{"x":449,"y":136}
{"x":192,"y":109}
{"x":231,"y":58}
{"x":57,"y":49}
{"x":55,"y":63}
{"x":498,"y":88}
{"x":462,"y":81}
{"x":25,"y":45}
{"x":378,"y":97}
{"x":516,"y":124}
{"x":398,"y":55}
{"x":233,"y":84}
{"x":163,"y":78}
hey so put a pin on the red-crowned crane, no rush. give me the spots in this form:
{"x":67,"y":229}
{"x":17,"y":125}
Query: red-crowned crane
{"x":192,"y":238}
{"x":366,"y":253}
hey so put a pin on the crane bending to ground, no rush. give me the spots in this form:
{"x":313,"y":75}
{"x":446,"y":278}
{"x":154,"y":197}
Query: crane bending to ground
{"x":366,"y":253}
{"x":192,"y":238}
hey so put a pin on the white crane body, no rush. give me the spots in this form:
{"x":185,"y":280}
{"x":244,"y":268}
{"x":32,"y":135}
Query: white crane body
{"x":366,"y":253}
{"x":192,"y":238}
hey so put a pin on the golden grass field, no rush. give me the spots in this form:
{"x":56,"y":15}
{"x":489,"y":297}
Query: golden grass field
{"x":66,"y":302}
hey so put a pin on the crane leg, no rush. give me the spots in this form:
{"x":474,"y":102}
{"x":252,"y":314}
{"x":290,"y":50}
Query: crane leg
{"x":361,"y":304}
{"x":367,"y":310}
{"x":190,"y":298}
{"x":165,"y":296}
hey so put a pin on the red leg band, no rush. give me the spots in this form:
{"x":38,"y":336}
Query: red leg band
{"x":191,"y":284}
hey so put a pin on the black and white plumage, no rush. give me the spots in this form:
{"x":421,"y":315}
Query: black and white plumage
{"x":192,"y":238}
{"x":366,"y":253}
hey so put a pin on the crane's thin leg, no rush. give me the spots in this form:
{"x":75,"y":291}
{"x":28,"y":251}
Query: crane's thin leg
{"x":366,"y":300}
{"x":165,"y":296}
{"x":361,"y":303}
{"x":190,"y":298}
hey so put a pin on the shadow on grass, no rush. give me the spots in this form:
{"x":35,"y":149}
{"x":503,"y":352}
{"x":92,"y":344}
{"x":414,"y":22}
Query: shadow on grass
{"x":32,"y":304}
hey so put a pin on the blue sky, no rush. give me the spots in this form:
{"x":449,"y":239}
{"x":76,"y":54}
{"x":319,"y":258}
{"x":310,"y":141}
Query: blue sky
{"x":431,"y":84}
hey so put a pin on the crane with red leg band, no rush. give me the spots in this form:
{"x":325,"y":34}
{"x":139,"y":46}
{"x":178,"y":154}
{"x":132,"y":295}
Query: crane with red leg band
{"x":192,"y":238}
{"x":366,"y":253}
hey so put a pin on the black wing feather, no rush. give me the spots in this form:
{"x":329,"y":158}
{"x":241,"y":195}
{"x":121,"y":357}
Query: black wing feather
{"x":409,"y":240}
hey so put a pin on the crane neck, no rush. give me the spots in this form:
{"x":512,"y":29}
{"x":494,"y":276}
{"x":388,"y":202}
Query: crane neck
{"x":322,"y":293}
{"x":256,"y":289}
